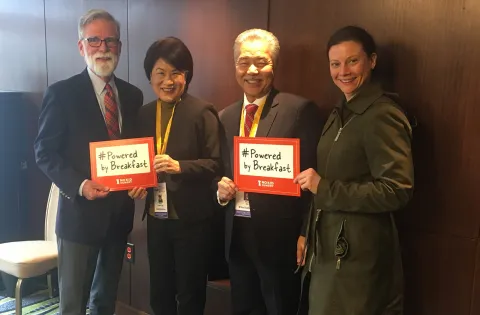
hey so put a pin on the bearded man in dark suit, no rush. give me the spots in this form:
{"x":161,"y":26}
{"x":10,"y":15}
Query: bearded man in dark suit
{"x":92,"y":222}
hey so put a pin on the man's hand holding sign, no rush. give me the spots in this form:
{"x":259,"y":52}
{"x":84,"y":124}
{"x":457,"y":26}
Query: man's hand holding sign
{"x":226,"y":190}
{"x":121,"y":165}
{"x":93,"y":190}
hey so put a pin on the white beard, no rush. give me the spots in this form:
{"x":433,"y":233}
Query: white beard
{"x":102,"y":68}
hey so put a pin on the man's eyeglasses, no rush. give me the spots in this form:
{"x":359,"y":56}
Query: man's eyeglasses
{"x":97,"y":42}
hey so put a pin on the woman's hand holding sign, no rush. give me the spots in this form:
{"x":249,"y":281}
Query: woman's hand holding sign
{"x":308,"y":180}
{"x":137,"y":193}
{"x":164,"y":163}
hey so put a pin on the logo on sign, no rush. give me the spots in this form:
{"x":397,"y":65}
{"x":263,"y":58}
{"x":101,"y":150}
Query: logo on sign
{"x":264,"y":183}
{"x":123,"y":181}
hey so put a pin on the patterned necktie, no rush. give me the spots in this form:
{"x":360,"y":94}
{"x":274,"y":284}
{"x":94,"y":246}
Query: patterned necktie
{"x":111,"y":114}
{"x":250,"y":111}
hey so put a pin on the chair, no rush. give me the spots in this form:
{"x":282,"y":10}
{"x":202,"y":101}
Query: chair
{"x":28,"y":259}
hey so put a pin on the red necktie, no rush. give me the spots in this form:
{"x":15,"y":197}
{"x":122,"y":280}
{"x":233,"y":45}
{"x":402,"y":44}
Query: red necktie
{"x":111,"y":114}
{"x":250,"y":111}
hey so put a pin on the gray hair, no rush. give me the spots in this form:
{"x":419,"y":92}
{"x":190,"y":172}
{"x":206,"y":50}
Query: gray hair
{"x":257,"y":34}
{"x":96,"y":14}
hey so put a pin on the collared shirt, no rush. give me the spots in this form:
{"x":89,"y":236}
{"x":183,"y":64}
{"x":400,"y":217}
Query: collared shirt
{"x":260,"y":102}
{"x":100,"y":91}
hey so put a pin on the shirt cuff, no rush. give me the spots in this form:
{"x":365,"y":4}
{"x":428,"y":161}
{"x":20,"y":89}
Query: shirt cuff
{"x":222,"y":203}
{"x":81,"y":188}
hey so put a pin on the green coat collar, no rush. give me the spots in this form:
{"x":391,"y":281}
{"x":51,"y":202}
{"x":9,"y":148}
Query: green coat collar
{"x":367,"y":95}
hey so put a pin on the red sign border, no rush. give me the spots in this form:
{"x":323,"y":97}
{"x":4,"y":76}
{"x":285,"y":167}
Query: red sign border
{"x":238,"y":178}
{"x":147,"y":180}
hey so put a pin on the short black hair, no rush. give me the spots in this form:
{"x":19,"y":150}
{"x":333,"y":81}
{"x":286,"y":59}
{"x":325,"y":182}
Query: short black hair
{"x":356,"y":34}
{"x":174,"y":52}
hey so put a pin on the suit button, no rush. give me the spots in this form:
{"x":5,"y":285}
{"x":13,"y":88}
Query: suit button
{"x":253,"y":209}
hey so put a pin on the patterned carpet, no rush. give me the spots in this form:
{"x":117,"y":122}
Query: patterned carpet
{"x":35,"y":304}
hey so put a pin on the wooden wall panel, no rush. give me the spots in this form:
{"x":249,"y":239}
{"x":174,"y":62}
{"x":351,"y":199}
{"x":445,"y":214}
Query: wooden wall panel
{"x":476,"y":284}
{"x":208,"y":28}
{"x":428,"y":53}
{"x":432,"y":64}
{"x":439,"y":273}
{"x":62,"y":18}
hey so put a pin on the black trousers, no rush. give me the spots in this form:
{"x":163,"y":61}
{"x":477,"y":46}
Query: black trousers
{"x":178,"y":253}
{"x":260,"y":286}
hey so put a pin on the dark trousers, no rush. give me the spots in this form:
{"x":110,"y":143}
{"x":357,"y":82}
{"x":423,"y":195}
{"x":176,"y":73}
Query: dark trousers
{"x":178,"y":253}
{"x":89,"y":272}
{"x":259,"y":286}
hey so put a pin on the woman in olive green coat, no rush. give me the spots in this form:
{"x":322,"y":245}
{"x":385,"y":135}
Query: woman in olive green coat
{"x":364,"y":173}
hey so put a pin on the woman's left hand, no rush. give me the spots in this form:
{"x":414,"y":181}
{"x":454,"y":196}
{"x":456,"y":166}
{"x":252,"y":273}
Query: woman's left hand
{"x":301,"y":251}
{"x":308,"y":180}
{"x":164,"y":163}
{"x":137,"y":193}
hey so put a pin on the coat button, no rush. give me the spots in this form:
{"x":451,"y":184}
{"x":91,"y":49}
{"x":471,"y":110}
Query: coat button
{"x":341,"y":248}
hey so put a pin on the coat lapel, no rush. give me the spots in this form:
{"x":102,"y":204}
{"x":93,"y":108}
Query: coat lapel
{"x":329,"y":121}
{"x":149,"y":120}
{"x":123,"y":99}
{"x":269,"y":113}
{"x":233,"y":122}
{"x":180,"y":115}
{"x":230,"y":118}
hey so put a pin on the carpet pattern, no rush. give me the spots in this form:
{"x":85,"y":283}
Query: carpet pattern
{"x":38,"y":303}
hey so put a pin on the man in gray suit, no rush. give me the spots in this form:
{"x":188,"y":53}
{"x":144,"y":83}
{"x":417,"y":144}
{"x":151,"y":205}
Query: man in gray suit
{"x":92,"y":222}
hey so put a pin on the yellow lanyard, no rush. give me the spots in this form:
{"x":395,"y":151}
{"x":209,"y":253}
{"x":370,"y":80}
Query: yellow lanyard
{"x":256,"y":120}
{"x":162,"y":147}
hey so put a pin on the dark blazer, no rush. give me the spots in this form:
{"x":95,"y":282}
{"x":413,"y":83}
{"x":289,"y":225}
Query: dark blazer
{"x":69,"y":120}
{"x":276,"y":219}
{"x":194,"y":142}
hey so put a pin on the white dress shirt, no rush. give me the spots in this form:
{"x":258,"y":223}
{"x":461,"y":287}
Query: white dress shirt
{"x":100,"y":91}
{"x":259,"y":101}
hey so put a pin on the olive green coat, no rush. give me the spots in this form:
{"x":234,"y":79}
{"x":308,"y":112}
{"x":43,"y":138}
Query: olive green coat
{"x":365,"y":163}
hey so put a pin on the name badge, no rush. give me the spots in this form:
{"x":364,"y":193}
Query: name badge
{"x":160,"y":200}
{"x":242,"y":205}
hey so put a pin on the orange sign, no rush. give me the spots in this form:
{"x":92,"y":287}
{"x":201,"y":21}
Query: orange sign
{"x":123,"y":164}
{"x":267,"y":165}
